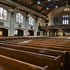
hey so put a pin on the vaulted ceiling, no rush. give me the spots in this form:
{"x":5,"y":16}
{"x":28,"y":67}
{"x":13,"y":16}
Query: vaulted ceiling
{"x":42,"y":6}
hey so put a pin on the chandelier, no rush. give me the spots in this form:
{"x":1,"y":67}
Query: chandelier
{"x":67,"y":8}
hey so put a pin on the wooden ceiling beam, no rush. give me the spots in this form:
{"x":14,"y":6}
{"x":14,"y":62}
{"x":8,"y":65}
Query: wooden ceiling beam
{"x":25,"y":8}
{"x":35,"y":3}
{"x":32,"y":4}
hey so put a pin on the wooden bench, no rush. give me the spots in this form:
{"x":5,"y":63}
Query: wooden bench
{"x":37,"y":50}
{"x":33,"y":58}
{"x":13,"y":64}
{"x":34,"y":49}
{"x":66,"y":56}
{"x":48,"y":42}
{"x":20,"y":37}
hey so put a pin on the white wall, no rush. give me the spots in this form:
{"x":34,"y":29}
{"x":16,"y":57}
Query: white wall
{"x":25,"y":26}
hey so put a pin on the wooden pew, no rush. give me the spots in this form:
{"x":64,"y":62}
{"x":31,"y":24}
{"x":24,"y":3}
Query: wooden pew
{"x":47,"y":43}
{"x":8,"y":63}
{"x":34,"y":49}
{"x":21,"y":37}
{"x":33,"y":58}
{"x":37,"y":50}
{"x":61,"y":48}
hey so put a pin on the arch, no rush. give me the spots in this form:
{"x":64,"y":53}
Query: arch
{"x":57,"y":10}
{"x":3,"y":32}
{"x":4,"y":27}
{"x":5,"y":7}
{"x":19,"y":32}
{"x":30,"y":32}
{"x":38,"y":33}
{"x":54,"y":13}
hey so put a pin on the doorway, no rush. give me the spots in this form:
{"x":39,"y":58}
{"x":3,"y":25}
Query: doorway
{"x":3,"y":32}
{"x":19,"y":32}
{"x":31,"y":33}
{"x":38,"y":33}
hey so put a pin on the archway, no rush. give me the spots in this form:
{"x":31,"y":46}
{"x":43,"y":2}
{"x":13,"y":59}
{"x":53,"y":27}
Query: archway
{"x":3,"y":32}
{"x":31,"y":32}
{"x":38,"y":33}
{"x":18,"y":32}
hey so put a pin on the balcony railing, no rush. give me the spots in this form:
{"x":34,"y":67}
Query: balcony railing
{"x":43,"y":28}
{"x":58,"y":26}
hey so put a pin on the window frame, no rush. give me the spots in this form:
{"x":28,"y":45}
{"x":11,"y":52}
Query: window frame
{"x":31,"y":20}
{"x":65,"y":19}
{"x":20,"y":14}
{"x":3,"y":12}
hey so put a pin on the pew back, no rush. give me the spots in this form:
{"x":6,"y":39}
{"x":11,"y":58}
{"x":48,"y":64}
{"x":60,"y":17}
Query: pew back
{"x":33,"y":58}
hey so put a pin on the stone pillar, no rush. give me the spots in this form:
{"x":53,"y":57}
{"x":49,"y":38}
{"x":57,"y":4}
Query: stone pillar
{"x":11,"y":23}
{"x":26,"y":25}
{"x":35,"y":27}
{"x":25,"y":33}
{"x":55,"y":34}
{"x":48,"y":33}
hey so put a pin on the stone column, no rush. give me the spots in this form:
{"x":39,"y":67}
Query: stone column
{"x":26,"y":25}
{"x":12,"y":23}
{"x":35,"y":27}
{"x":48,"y":33}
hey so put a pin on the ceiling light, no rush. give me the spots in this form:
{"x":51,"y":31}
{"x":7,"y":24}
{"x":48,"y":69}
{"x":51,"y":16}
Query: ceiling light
{"x":38,"y":2}
{"x":47,"y":8}
{"x":56,"y":6}
{"x":49,"y":0}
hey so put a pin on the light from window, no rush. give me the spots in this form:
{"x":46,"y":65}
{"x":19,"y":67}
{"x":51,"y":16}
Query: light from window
{"x":65,"y":19}
{"x":19,"y":18}
{"x":3,"y":14}
{"x":31,"y":20}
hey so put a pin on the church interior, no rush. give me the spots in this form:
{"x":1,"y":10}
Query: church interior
{"x":34,"y":34}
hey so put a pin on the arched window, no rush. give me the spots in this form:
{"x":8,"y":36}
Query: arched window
{"x":19,"y":18}
{"x":31,"y":20}
{"x":3,"y":14}
{"x":65,"y":19}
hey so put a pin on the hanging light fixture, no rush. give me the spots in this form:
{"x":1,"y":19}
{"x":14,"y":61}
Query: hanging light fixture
{"x":38,"y":2}
{"x":67,"y":8}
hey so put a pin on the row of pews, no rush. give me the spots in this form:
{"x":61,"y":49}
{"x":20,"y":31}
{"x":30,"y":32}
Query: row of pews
{"x":21,"y":37}
{"x":55,"y":44}
{"x":32,"y":57}
{"x":38,"y":59}
{"x":49,"y":42}
{"x":35,"y":56}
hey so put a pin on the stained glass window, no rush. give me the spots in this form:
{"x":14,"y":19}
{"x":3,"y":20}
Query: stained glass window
{"x":65,"y":19}
{"x":19,"y":18}
{"x":31,"y":20}
{"x":3,"y":14}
